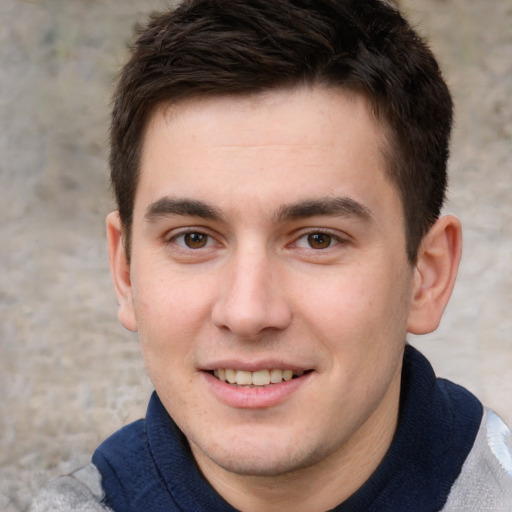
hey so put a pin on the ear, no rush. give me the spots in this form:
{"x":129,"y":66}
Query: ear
{"x":435,"y":273}
{"x":120,"y":271}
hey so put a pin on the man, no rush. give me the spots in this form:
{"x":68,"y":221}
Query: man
{"x":280,"y":168}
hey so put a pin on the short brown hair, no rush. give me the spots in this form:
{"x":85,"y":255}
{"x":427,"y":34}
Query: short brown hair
{"x":222,"y":47}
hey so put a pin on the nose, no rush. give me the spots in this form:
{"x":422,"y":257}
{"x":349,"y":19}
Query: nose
{"x":251,"y":300}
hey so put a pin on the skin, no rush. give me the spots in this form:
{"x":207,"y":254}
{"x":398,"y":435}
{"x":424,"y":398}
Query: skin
{"x":267,"y":235}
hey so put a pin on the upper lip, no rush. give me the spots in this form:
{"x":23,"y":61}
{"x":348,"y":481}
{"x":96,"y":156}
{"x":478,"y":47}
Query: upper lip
{"x":253,"y":366}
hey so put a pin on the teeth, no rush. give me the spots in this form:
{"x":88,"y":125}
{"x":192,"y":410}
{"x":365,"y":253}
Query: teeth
{"x":276,"y":376}
{"x":287,"y":375}
{"x":259,"y":378}
{"x":231,"y":376}
{"x":243,"y":378}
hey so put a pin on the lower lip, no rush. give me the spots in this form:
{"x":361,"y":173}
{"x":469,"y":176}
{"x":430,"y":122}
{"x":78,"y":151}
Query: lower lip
{"x":254,"y":397}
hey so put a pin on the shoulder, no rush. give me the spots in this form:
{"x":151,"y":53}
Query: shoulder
{"x":486,"y":476}
{"x":82,"y":490}
{"x":79,"y":491}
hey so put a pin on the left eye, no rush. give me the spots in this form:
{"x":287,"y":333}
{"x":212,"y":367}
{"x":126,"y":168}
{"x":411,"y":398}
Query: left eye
{"x":192,"y":240}
{"x":317,"y":241}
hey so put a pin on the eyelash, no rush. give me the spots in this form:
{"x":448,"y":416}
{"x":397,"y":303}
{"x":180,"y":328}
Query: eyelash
{"x":332,"y":239}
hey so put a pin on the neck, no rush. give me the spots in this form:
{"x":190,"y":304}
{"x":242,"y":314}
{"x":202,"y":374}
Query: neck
{"x":321,"y":486}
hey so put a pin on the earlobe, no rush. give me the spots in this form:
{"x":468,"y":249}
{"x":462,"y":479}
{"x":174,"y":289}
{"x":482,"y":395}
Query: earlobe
{"x":120,"y":271}
{"x":435,"y":274}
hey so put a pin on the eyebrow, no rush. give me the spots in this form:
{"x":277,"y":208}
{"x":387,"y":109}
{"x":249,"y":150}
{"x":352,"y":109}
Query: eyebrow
{"x":186,"y":207}
{"x":338,"y":206}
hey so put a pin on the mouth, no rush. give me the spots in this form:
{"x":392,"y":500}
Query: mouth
{"x":260,"y":378}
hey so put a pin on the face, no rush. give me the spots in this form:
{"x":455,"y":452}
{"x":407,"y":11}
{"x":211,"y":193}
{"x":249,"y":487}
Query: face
{"x":268,"y":279}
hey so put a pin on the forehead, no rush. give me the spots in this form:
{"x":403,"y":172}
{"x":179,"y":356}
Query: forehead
{"x":282,"y":146}
{"x":270,"y":116}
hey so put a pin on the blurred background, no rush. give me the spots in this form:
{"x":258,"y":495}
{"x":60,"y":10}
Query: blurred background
{"x":69,"y":374}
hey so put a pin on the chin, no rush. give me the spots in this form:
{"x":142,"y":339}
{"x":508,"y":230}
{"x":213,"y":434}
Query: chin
{"x":265,"y":461}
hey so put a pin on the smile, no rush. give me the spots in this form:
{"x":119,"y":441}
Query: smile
{"x":258,"y":378}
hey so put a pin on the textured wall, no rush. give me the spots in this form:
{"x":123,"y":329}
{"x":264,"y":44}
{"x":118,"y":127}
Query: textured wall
{"x":69,"y":374}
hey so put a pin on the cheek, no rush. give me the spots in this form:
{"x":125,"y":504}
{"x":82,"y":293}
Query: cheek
{"x":170,"y":315}
{"x":170,"y":299}
{"x":358,"y":307}
{"x":341,"y":298}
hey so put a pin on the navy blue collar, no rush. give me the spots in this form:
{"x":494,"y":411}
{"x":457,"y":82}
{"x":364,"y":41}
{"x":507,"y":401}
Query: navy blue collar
{"x":148,"y":466}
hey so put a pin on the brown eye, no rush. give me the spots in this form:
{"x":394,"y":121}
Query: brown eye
{"x":195,"y":240}
{"x":319,"y":240}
